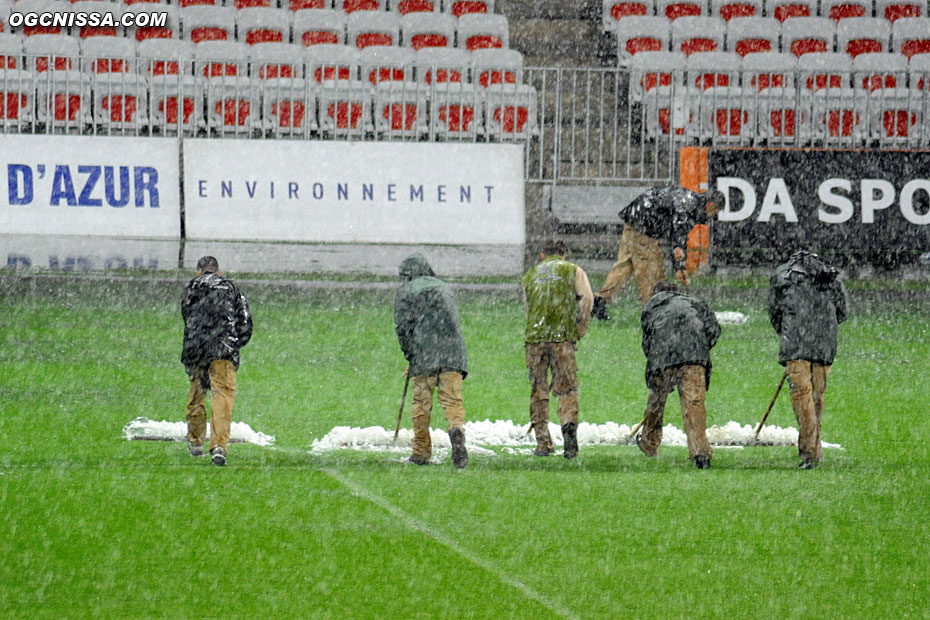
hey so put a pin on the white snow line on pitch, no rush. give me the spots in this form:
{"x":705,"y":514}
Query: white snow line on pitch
{"x":417,"y":525}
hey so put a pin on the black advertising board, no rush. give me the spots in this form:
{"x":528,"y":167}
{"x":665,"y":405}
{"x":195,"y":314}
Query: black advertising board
{"x":871,"y":206}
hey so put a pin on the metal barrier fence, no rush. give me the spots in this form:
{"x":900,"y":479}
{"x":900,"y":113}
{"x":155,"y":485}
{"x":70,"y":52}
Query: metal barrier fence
{"x":576,"y":125}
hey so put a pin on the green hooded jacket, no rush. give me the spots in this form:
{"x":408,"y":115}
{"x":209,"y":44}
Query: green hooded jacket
{"x":806,"y":305}
{"x":551,"y":300}
{"x":678,"y":329}
{"x":426,"y":319}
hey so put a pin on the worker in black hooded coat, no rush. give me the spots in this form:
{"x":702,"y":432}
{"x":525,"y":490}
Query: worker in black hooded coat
{"x":807,"y":303}
{"x":678,"y":333}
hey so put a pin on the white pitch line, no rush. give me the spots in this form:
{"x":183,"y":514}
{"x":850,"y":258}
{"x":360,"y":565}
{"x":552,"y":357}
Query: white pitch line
{"x":444,"y":540}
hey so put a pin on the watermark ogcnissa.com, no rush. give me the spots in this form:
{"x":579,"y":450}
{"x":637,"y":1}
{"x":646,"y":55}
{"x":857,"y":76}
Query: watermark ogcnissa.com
{"x":80,"y":19}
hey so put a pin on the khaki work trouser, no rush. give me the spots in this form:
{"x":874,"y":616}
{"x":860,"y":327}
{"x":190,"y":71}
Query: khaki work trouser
{"x":559,"y":357}
{"x":639,"y":256}
{"x":449,"y":387}
{"x":689,"y":379}
{"x":808,"y":383}
{"x":222,"y":375}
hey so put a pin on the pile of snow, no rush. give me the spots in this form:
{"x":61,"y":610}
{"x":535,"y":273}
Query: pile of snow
{"x":731,"y":318}
{"x":514,"y":438}
{"x":143,"y":428}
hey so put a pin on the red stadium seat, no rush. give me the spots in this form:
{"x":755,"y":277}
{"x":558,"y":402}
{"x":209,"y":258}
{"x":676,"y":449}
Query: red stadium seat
{"x":447,"y":63}
{"x":838,"y":10}
{"x":171,"y":29}
{"x":477,"y":31}
{"x":804,"y":35}
{"x":319,"y":27}
{"x":208,"y":23}
{"x":368,"y":28}
{"x":351,"y":6}
{"x":673,"y":9}
{"x":787,"y":9}
{"x":713,"y":70}
{"x":751,"y":35}
{"x":642,"y":34}
{"x":731,"y":9}
{"x":428,"y":30}
{"x":333,"y":62}
{"x":381,"y":63}
{"x":893,"y":10}
{"x":698,"y":34}
{"x":862,"y":35}
{"x":263,"y":25}
{"x":497,"y":66}
{"x":11,"y":52}
{"x":459,"y":8}
{"x":911,"y":36}
{"x":878,"y":71}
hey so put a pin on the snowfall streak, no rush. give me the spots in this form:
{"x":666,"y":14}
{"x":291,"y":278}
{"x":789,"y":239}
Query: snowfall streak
{"x":389,"y":192}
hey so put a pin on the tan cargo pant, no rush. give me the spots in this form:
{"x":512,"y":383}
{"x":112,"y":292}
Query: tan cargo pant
{"x":689,"y":380}
{"x":808,"y":383}
{"x":449,"y":386}
{"x":639,"y":256}
{"x":559,"y":357}
{"x":222,"y":375}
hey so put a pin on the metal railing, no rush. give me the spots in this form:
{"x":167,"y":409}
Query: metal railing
{"x":577,"y":125}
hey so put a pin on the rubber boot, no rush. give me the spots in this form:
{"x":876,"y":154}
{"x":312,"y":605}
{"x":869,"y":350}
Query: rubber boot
{"x":599,"y":311}
{"x":570,"y":436}
{"x":459,"y":453}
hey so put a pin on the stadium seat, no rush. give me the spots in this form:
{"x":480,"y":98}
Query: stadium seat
{"x":642,"y":34}
{"x":731,"y":9}
{"x":713,"y":70}
{"x":769,"y":70}
{"x":171,"y":29}
{"x":271,"y":61}
{"x":161,"y":57}
{"x":805,"y":35}
{"x":319,"y":26}
{"x":300,"y":5}
{"x":120,"y":101}
{"x":351,"y":6}
{"x":666,"y":113}
{"x":455,"y":111}
{"x":38,"y":6}
{"x":477,"y":31}
{"x":787,"y":9}
{"x":861,"y":35}
{"x":220,"y":59}
{"x":288,"y":102}
{"x":412,"y":7}
{"x":510,"y":111}
{"x":497,"y":66}
{"x":251,"y":4}
{"x":52,"y":52}
{"x":11,"y":52}
{"x":838,"y":10}
{"x":656,"y":70}
{"x":918,"y":69}
{"x":333,"y":62}
{"x":5,"y":17}
{"x":722,"y":115}
{"x":400,"y":110}
{"x":345,"y":107}
{"x":17,"y":97}
{"x":428,"y":30}
{"x":98,"y":6}
{"x":877,"y":71}
{"x":175,"y":95}
{"x":381,"y":63}
{"x":103,"y":55}
{"x":896,"y":118}
{"x":615,"y":10}
{"x":838,"y":118}
{"x":448,"y":63}
{"x":911,"y":35}
{"x":186,"y":3}
{"x":698,"y":34}
{"x":893,"y":10}
{"x":208,"y":23}
{"x":459,"y":8}
{"x":673,"y":9}
{"x":263,"y":25}
{"x":368,"y":28}
{"x":752,"y":35}
{"x":825,"y":70}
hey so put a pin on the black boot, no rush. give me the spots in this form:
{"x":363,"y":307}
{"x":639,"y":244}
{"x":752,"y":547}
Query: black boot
{"x":570,"y":435}
{"x":459,"y":453}
{"x":599,"y":311}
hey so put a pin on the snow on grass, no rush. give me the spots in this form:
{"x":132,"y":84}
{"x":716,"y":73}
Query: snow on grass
{"x":731,"y":318}
{"x":143,"y":428}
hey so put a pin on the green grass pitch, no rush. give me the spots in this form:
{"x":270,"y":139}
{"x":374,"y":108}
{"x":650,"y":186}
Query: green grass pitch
{"x":94,"y":526}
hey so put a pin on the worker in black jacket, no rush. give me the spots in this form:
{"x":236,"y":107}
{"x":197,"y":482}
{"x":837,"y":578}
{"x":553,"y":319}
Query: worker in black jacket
{"x":217,"y":323}
{"x":806,"y":305}
{"x":678,"y":334}
{"x":662,"y":216}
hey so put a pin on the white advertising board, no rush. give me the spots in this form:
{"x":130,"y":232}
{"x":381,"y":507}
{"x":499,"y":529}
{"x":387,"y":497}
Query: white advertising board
{"x":354,"y":192}
{"x":86,"y":185}
{"x":86,"y":253}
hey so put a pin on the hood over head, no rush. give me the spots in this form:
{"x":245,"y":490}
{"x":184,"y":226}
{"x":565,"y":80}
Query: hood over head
{"x":807,"y":263}
{"x":415,"y":266}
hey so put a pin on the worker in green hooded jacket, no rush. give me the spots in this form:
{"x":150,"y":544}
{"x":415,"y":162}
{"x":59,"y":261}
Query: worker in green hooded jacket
{"x":426,"y":319}
{"x":558,"y":307}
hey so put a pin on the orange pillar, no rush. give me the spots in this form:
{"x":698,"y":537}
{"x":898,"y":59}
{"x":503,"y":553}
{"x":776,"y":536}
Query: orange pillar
{"x":693,"y":165}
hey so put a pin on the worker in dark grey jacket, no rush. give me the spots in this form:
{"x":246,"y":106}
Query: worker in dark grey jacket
{"x":678,"y":334}
{"x":426,"y":319}
{"x":806,"y":305}
{"x":217,"y":323}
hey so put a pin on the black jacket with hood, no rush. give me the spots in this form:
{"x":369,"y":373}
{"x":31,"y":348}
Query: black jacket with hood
{"x":678,"y":329}
{"x":666,"y":214}
{"x":426,"y":319}
{"x":217,"y":321}
{"x":806,"y":305}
